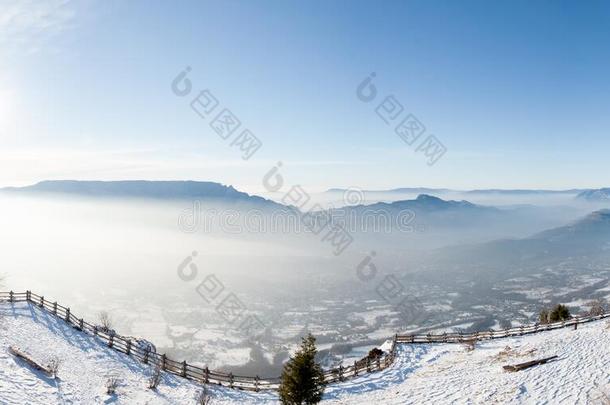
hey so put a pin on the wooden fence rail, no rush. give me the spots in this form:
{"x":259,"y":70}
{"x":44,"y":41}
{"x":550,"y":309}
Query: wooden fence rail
{"x":130,"y":347}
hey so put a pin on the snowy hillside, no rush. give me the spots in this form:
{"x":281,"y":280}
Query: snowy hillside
{"x":439,"y":374}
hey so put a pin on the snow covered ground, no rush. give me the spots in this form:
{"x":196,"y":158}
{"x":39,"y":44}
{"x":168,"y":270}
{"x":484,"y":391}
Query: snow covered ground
{"x":439,"y":374}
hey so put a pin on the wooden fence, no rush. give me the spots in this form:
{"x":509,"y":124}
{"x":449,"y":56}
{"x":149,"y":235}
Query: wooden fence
{"x":498,"y":334}
{"x":145,"y":355}
{"x":130,"y":347}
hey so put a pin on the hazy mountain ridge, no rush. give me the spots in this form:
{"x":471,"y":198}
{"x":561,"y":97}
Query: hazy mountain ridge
{"x":413,"y":190}
{"x":525,"y":191}
{"x":427,"y":190}
{"x":457,"y":215}
{"x":592,"y":229}
{"x":430,"y":203}
{"x":445,"y":221}
{"x":165,"y":190}
{"x":602,"y":194}
{"x":587,"y":237}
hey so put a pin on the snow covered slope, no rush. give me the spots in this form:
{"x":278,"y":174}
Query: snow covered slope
{"x":87,"y":365}
{"x":438,"y":374}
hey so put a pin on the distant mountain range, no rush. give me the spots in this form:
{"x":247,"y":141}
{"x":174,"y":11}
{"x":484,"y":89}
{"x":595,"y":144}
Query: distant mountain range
{"x":525,"y":191}
{"x":404,"y":190}
{"x":165,"y":190}
{"x":207,"y":189}
{"x":426,"y":222}
{"x":168,"y":190}
{"x":427,"y":205}
{"x":437,"y":222}
{"x":425,"y":202}
{"x":424,"y":190}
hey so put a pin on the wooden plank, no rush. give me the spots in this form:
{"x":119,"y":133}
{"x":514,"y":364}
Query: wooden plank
{"x":28,"y":359}
{"x":527,"y":364}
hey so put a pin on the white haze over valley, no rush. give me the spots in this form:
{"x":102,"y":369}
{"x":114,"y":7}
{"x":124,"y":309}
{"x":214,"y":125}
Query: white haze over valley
{"x":122,"y":254}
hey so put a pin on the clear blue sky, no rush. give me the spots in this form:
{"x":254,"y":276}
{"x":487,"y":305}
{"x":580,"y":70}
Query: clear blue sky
{"x":518,"y":91}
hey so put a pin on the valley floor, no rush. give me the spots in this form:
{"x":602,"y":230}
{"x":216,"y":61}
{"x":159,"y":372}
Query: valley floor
{"x":422,"y":374}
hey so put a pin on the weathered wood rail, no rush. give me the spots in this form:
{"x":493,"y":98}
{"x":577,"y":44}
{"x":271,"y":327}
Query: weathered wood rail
{"x":29,"y":360}
{"x":497,"y":334}
{"x":127,"y":346}
{"x":528,"y":364}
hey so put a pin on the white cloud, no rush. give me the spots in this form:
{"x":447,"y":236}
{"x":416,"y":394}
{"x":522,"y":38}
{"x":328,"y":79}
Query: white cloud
{"x":25,"y":25}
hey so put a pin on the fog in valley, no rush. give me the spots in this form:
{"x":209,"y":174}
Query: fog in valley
{"x":230,"y":284}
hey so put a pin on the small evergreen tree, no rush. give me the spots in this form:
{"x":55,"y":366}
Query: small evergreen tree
{"x":375,"y":353}
{"x":544,"y":316}
{"x":302,"y":379}
{"x":559,"y":313}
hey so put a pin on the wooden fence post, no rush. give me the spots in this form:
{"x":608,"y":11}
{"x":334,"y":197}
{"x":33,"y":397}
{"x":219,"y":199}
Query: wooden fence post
{"x":163,"y":358}
{"x":81,"y":324}
{"x":378,"y":363}
{"x":206,"y":375}
{"x":10,"y":296}
{"x":355,"y":368}
{"x":184,"y":368}
{"x":341,"y":372}
{"x":27,"y":295}
{"x":55,"y":308}
{"x":368,"y":364}
{"x":41,"y":304}
{"x":231,"y":379}
{"x":128,"y":349}
{"x":94,"y":330}
{"x":256,"y":380}
{"x":146,"y":352}
{"x":110,"y":340}
{"x":67,"y":319}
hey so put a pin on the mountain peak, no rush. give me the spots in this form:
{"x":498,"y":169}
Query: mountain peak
{"x":428,"y":198}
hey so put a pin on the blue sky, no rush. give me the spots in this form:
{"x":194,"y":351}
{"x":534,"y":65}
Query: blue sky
{"x":518,"y":92}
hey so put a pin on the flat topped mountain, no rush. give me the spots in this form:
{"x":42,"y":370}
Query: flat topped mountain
{"x":141,"y":189}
